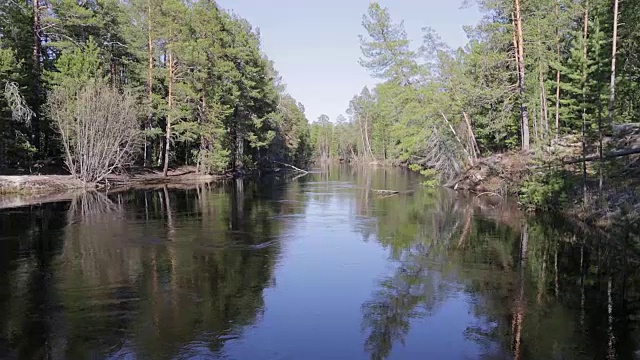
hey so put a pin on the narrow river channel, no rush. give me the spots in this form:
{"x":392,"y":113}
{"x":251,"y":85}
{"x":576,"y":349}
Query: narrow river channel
{"x":314,"y":267}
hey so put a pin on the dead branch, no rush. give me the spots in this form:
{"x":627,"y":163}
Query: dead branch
{"x":489,"y":193}
{"x":441,"y":157}
{"x":20,"y":110}
{"x":474,"y":144}
{"x":610,"y":155}
{"x":457,"y":138}
{"x":292,"y":167}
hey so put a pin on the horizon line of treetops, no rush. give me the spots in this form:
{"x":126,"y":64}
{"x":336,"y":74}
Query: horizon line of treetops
{"x":204,"y":94}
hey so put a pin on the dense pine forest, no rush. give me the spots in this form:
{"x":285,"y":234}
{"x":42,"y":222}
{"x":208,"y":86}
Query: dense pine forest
{"x":548,"y":79}
{"x":102,"y":84}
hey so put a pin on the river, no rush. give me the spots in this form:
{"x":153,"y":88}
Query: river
{"x":313,"y":267}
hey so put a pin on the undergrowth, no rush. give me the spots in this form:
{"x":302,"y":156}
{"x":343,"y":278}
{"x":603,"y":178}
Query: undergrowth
{"x":547,"y":190}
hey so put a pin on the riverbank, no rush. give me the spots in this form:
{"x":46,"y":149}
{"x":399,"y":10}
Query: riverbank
{"x":540,"y":184}
{"x":26,"y":190}
{"x":37,"y":184}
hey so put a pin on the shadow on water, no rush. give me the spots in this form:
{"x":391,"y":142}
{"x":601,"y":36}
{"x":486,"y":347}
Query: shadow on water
{"x":163,"y":274}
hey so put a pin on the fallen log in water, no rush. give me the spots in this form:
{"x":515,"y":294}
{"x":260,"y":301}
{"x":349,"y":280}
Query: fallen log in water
{"x":292,"y":167}
{"x":384,"y":192}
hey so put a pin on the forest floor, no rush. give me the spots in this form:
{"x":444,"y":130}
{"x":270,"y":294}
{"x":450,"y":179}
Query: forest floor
{"x":24,"y":190}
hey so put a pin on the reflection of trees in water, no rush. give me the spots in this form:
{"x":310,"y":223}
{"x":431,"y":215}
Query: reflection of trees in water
{"x":27,"y":315}
{"x":415,"y":289}
{"x":538,"y":289}
{"x":93,"y":275}
{"x":412,"y":292}
{"x":147,"y":273}
{"x":90,"y":205}
{"x":95,"y":242}
{"x":205,"y":282}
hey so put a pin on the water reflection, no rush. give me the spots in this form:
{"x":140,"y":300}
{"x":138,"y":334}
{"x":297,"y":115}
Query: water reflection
{"x":539,"y":289}
{"x":311,"y":267}
{"x":155,"y":273}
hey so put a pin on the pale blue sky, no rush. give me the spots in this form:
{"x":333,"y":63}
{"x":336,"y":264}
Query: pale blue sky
{"x":315,"y":45}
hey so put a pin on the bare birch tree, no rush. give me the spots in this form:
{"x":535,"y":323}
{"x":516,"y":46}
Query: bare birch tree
{"x":98,"y":127}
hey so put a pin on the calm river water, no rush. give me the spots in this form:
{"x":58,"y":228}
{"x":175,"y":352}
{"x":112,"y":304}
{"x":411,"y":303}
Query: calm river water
{"x":315,"y":267}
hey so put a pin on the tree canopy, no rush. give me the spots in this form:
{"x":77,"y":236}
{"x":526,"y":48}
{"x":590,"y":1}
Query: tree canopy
{"x":205,"y":92}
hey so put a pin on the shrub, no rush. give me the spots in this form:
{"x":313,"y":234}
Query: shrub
{"x":214,"y":161}
{"x":546,"y":190}
{"x":98,"y":126}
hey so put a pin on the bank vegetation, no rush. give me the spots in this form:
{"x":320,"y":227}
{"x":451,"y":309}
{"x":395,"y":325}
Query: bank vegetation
{"x":540,"y":104}
{"x":94,"y":88}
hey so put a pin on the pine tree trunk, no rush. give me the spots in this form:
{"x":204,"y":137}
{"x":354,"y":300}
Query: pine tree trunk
{"x":149,"y":83}
{"x":535,"y":121}
{"x":612,"y":97}
{"x":558,"y":72}
{"x":36,"y":51}
{"x":384,"y":143}
{"x":169,"y":110}
{"x":366,"y":136}
{"x":202,"y":139}
{"x":612,"y":83}
{"x":113,"y":68}
{"x":520,"y":58}
{"x":544,"y":108}
{"x":558,"y":98}
{"x":364,"y":144}
{"x":584,"y":104}
{"x":600,"y":142}
{"x":239,"y":151}
{"x":515,"y":52}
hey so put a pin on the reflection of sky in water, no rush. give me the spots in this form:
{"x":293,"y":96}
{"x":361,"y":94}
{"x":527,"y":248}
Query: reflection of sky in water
{"x":325,"y":276}
{"x":442,"y":333}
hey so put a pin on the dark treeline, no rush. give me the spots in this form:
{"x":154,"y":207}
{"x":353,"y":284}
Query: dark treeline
{"x":190,"y":76}
{"x":532,"y":72}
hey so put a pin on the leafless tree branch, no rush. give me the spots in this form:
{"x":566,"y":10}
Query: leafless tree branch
{"x":99,"y":129}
